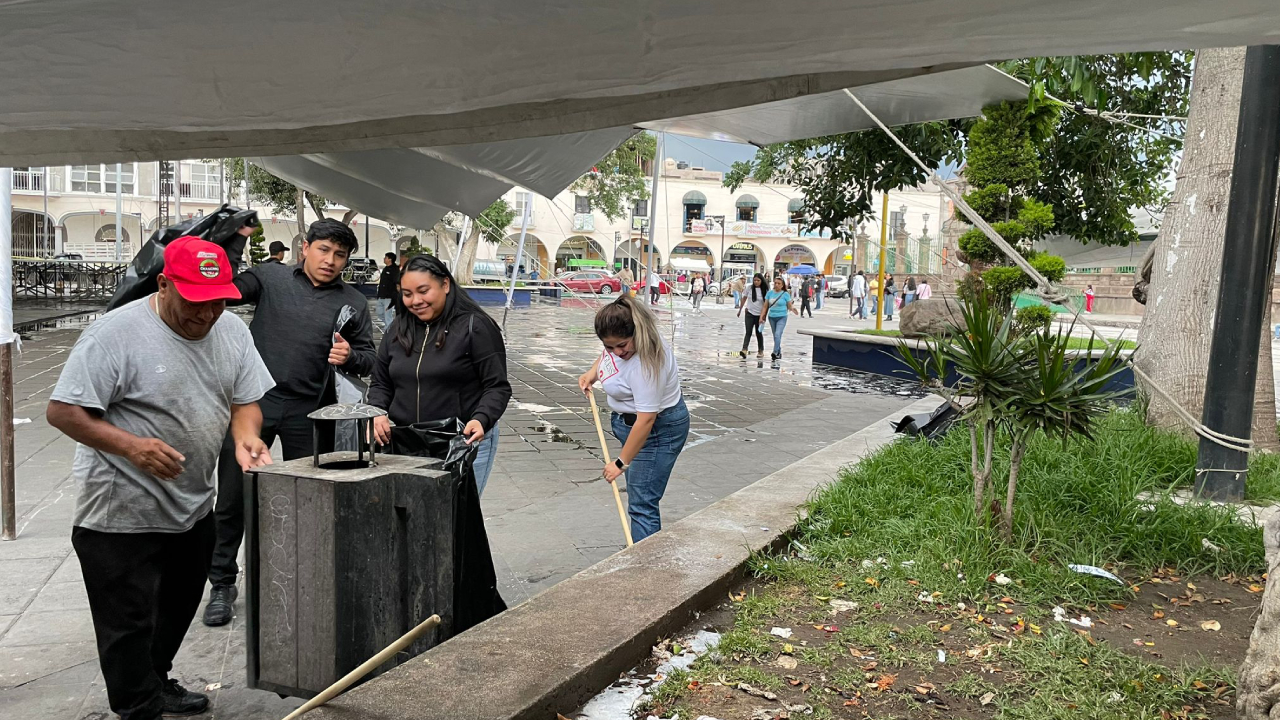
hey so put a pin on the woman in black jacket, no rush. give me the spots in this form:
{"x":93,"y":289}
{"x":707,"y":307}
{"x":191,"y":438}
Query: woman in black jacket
{"x":442,"y":358}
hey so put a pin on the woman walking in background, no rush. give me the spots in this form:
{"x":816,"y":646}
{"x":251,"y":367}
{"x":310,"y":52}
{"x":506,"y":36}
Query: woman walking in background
{"x":909,"y":293}
{"x":443,"y":357}
{"x":806,"y":295}
{"x":697,"y":286}
{"x":923,"y":291}
{"x":639,"y":374}
{"x":777,"y":303}
{"x":1088,"y":300}
{"x":753,"y":304}
{"x":890,"y":289}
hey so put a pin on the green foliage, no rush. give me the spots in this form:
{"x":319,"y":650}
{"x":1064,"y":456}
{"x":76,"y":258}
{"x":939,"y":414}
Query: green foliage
{"x":618,"y":180}
{"x":1052,"y":267}
{"x":1037,"y":219}
{"x":1001,"y":150}
{"x":992,"y":201}
{"x":1004,"y":282}
{"x":267,"y":189}
{"x":1092,"y":170}
{"x":257,"y":247}
{"x":854,"y":168}
{"x":978,"y":248}
{"x":1033,"y":319}
{"x":494,"y":221}
{"x":414,"y":248}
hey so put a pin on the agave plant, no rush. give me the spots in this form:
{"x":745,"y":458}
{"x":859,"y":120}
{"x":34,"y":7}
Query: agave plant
{"x":1018,"y":382}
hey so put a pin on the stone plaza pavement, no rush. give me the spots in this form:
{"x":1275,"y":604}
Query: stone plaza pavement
{"x":548,"y":513}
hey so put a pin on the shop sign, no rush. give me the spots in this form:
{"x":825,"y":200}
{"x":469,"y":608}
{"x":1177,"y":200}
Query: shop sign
{"x":745,"y":229}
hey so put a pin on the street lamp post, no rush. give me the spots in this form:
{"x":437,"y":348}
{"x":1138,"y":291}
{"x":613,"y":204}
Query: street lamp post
{"x":720,"y":295}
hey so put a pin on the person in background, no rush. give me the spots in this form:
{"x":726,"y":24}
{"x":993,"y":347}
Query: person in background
{"x":873,"y":292}
{"x":639,"y":374}
{"x":777,"y":303}
{"x":294,"y":311}
{"x":388,"y":290}
{"x":890,"y":302}
{"x":697,"y":287}
{"x":819,"y":291}
{"x":148,"y":392}
{"x":909,"y":292}
{"x":753,"y":304}
{"x":444,"y":357}
{"x":858,"y":291}
{"x":276,"y":252}
{"x":806,"y":296}
{"x":793,"y":284}
{"x":737,"y":285}
{"x":1088,"y":299}
{"x":923,"y":291}
{"x":655,"y":287}
{"x":626,"y":279}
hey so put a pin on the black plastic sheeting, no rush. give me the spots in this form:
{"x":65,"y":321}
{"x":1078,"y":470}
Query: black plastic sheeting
{"x":221,"y":227}
{"x":475,"y":592}
{"x":930,"y":426}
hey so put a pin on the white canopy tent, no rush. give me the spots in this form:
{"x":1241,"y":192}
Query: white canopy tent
{"x":108,"y":80}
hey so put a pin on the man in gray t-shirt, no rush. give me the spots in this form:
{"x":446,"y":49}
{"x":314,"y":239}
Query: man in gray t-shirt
{"x":149,"y":391}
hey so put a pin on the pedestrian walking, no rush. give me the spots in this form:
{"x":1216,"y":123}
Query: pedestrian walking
{"x":443,"y":358}
{"x":923,"y":291}
{"x":626,"y":279}
{"x":753,"y":306}
{"x":806,"y":295}
{"x":148,"y":392}
{"x":293,"y":330}
{"x":873,"y":293}
{"x":639,"y":374}
{"x":793,"y":285}
{"x":1088,"y":299}
{"x":697,"y":287}
{"x":819,"y":291}
{"x":890,"y":302}
{"x":737,"y":285}
{"x":388,"y":290}
{"x":655,"y":288}
{"x":858,"y":291}
{"x":778,"y":303}
{"x":909,"y":292}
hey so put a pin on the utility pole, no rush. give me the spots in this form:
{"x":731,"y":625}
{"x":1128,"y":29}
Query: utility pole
{"x":1248,"y":254}
{"x":653,"y":211}
{"x":515,"y":270}
{"x":884,"y":238}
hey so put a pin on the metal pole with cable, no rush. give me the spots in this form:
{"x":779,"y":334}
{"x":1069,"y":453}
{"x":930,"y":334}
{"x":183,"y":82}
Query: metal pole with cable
{"x":119,"y":212}
{"x":884,"y":239}
{"x":8,"y":493}
{"x":515,"y":269}
{"x":653,"y":214}
{"x":1248,"y":256}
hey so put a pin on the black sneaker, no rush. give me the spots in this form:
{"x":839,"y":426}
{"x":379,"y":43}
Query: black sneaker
{"x":220,"y":609}
{"x":181,"y":702}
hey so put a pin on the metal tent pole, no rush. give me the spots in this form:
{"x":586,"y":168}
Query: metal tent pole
{"x":8,"y":494}
{"x":1244,"y":290}
{"x":884,"y":238}
{"x":44,"y":184}
{"x":119,"y":211}
{"x":515,"y":269}
{"x":177,"y":191}
{"x":653,"y":213}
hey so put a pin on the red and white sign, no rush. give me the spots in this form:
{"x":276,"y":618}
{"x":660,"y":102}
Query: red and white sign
{"x":608,"y":366}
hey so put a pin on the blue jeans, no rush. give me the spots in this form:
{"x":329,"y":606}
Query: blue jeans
{"x":737,"y":299}
{"x":386,"y":312}
{"x":777,"y":324}
{"x":485,"y":453}
{"x":874,"y":301}
{"x":910,"y":298}
{"x":650,"y":470}
{"x":817,"y":297}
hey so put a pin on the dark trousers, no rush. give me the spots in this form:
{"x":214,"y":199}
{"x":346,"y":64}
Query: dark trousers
{"x":804,"y":305}
{"x":144,"y":589}
{"x":753,"y":324}
{"x":282,"y":419}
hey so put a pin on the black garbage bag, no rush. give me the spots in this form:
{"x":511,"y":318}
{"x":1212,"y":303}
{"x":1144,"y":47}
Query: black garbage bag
{"x":475,"y":590}
{"x":931,"y":426}
{"x":221,"y":227}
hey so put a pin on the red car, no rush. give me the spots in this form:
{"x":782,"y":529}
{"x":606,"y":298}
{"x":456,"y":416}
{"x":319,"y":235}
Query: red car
{"x":664,"y":287}
{"x":588,"y":281}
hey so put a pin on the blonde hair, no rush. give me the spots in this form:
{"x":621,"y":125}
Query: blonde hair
{"x":627,"y":317}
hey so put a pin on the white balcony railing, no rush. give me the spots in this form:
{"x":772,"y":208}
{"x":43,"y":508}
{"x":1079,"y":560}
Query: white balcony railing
{"x":28,"y":180}
{"x":584,"y":222}
{"x":194,"y":191}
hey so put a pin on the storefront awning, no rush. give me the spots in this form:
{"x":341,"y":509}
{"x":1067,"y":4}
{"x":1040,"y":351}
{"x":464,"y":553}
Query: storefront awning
{"x":108,"y":80}
{"x":795,"y":205}
{"x":746,"y":201}
{"x":693,"y":197}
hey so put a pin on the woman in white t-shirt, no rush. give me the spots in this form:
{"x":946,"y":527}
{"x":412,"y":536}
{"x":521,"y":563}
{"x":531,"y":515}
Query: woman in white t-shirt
{"x":638,"y":372}
{"x":753,"y":305}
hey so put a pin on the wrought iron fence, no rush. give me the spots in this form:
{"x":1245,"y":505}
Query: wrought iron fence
{"x":67,"y":279}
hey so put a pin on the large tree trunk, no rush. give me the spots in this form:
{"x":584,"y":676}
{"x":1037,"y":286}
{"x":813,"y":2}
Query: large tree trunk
{"x":463,"y":268}
{"x":1258,"y":690}
{"x":301,"y":212}
{"x":1182,"y":297}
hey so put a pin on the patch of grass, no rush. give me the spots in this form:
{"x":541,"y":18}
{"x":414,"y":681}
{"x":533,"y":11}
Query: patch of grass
{"x":1076,"y":343}
{"x":970,"y":685}
{"x":1077,"y":503}
{"x":752,"y":676}
{"x":744,"y":642}
{"x":757,"y":608}
{"x":664,"y":697}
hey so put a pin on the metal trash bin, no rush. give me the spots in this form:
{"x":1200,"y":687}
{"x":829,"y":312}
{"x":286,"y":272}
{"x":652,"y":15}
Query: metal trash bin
{"x":341,"y":562}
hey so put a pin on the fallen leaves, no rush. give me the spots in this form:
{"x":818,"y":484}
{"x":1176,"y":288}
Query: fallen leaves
{"x":884,"y":682}
{"x":756,"y":692}
{"x":987,"y":699}
{"x":1211,"y":626}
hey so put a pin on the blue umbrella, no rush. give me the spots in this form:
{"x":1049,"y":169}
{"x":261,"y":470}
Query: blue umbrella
{"x":803,"y":270}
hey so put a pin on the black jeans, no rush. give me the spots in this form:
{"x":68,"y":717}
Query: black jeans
{"x":804,"y":305}
{"x":753,"y":323}
{"x":284,"y":419}
{"x":144,"y":589}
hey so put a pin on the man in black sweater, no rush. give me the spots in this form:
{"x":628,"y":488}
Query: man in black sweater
{"x":388,"y":290}
{"x":293,"y":329}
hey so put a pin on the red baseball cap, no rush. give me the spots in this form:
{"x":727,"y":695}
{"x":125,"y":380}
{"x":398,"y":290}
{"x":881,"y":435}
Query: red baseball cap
{"x":199,"y":270}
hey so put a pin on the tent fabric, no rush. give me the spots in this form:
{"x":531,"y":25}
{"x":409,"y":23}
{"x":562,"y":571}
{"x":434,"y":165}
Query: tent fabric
{"x":746,"y":201}
{"x":91,"y":80}
{"x":693,"y":197}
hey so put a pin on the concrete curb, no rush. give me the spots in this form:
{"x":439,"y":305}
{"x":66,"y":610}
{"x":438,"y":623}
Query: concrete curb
{"x":558,"y":649}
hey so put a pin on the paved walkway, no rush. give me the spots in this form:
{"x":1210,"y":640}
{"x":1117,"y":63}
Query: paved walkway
{"x":548,"y":514}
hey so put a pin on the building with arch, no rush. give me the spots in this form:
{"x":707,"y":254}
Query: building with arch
{"x":702,"y":225}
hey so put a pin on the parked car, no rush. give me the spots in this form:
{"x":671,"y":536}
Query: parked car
{"x":590,"y":281}
{"x":837,"y":286}
{"x":664,"y":286}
